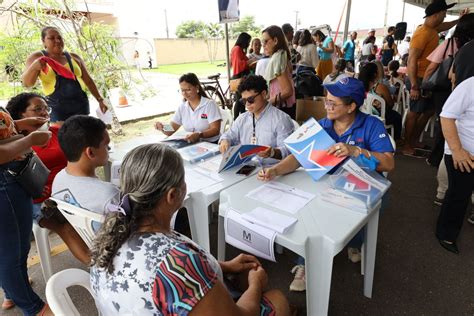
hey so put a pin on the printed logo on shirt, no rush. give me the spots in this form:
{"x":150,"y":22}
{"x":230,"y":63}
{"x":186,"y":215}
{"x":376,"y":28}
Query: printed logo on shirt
{"x":204,"y":116}
{"x":382,"y":135}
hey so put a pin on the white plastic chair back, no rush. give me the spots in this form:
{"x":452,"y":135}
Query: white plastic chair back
{"x":227,"y":119}
{"x":399,"y":104}
{"x":56,"y":290}
{"x":80,"y":219}
{"x":368,"y":107}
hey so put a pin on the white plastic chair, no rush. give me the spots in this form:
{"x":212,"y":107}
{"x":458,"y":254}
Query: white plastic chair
{"x":56,"y":290}
{"x":227,"y":119}
{"x":399,"y":105}
{"x":80,"y":219}
{"x":429,"y":125}
{"x":44,"y":250}
{"x":368,"y":107}
{"x":406,"y":106}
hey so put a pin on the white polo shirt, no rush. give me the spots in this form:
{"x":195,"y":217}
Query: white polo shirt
{"x":460,"y":107}
{"x":198,"y":120}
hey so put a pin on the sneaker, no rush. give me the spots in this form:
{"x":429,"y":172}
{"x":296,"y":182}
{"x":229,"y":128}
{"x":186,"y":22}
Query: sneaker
{"x":354,"y":255}
{"x":299,"y":282}
{"x":470,"y":219}
{"x":438,"y":201}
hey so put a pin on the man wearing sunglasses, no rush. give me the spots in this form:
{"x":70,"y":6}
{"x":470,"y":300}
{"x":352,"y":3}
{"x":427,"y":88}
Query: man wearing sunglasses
{"x":262,"y":124}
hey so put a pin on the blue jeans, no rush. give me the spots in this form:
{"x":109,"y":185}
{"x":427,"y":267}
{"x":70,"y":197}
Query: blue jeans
{"x":15,"y":233}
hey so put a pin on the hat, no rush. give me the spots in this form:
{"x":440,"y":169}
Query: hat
{"x":371,"y":30}
{"x":437,"y":6}
{"x":348,"y":87}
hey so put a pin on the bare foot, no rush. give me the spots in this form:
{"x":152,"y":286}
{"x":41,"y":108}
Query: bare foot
{"x":7,"y":304}
{"x":46,"y":311}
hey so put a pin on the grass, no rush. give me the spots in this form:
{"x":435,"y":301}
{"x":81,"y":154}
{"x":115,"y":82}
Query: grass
{"x":138,"y":128}
{"x":201,"y":69}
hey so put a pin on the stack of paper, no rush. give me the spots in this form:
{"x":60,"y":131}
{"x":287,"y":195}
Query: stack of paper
{"x":270,"y":219}
{"x":198,"y":179}
{"x":281,"y":196}
{"x":238,"y":155}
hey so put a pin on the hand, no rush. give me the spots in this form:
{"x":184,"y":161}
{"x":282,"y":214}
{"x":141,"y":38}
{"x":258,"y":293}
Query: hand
{"x":341,"y":150}
{"x":258,"y":277}
{"x":39,"y":64}
{"x":159,"y":126}
{"x":414,"y":93}
{"x":103,"y":107}
{"x":224,"y":146}
{"x":192,"y":138}
{"x":267,"y":153}
{"x":38,"y":138}
{"x":463,"y":160}
{"x":242,"y":262}
{"x":464,"y":12}
{"x":267,"y":174}
{"x":30,"y":124}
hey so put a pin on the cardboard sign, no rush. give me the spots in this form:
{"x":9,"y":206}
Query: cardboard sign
{"x":306,"y":109}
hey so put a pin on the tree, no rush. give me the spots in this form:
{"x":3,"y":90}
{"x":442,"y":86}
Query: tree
{"x":246,"y":24}
{"x":211,"y":34}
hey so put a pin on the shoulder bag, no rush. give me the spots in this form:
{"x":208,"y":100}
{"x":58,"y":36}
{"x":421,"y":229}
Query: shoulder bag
{"x":439,"y":79}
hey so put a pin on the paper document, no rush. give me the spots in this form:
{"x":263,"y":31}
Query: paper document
{"x":281,"y":196}
{"x":240,"y":154}
{"x":199,"y":152}
{"x":249,"y":237}
{"x":104,"y":117}
{"x":198,"y":179}
{"x":270,"y":219}
{"x":211,"y":164}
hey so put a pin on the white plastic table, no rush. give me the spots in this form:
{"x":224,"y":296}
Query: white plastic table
{"x":197,"y":202}
{"x":322,"y":231}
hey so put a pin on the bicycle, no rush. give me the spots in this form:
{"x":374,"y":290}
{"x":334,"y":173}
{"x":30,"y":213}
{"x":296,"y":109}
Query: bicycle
{"x":215,"y":92}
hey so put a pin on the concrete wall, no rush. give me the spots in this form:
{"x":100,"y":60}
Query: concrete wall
{"x":177,"y":51}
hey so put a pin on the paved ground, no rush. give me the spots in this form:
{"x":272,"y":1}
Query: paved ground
{"x":413,"y":274}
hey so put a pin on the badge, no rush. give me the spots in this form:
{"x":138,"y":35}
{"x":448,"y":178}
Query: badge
{"x":253,"y":140}
{"x":204,"y":116}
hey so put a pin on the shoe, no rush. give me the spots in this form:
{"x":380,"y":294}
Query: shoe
{"x":7,"y":304}
{"x":354,"y":255}
{"x":299,"y":282}
{"x":449,"y":246}
{"x":470,"y":219}
{"x":438,"y":201}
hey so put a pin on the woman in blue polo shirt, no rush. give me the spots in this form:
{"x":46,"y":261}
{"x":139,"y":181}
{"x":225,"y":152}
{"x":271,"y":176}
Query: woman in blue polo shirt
{"x":198,"y":114}
{"x":355,"y":133}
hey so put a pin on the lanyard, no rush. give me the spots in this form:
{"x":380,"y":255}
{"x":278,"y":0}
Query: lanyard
{"x":253,"y":139}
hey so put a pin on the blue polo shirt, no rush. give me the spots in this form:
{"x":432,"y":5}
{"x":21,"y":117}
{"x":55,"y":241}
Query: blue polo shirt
{"x":349,"y":48}
{"x":367,"y":132}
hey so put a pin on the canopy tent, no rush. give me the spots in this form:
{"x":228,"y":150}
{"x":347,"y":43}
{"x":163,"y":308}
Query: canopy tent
{"x":461,"y":5}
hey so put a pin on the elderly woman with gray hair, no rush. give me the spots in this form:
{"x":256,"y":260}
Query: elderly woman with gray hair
{"x":141,"y":266}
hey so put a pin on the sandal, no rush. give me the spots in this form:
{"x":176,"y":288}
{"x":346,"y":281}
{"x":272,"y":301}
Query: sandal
{"x":7,"y":304}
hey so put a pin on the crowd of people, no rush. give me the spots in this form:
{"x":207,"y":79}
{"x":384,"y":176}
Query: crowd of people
{"x":137,"y":256}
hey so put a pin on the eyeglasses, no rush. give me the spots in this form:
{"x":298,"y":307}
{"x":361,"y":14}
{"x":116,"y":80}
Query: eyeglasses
{"x":330,"y":105}
{"x":250,"y":100}
{"x":41,"y":109}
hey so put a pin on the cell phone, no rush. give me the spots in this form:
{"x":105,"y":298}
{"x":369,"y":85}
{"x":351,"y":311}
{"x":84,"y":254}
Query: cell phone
{"x":246,"y":170}
{"x":168,"y":128}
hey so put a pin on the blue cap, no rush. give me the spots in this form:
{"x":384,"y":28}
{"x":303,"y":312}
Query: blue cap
{"x":348,"y":87}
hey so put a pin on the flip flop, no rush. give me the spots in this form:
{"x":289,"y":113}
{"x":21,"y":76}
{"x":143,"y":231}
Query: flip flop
{"x":7,"y":304}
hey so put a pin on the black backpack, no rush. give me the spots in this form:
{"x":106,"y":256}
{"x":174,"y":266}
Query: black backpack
{"x":307,"y":84}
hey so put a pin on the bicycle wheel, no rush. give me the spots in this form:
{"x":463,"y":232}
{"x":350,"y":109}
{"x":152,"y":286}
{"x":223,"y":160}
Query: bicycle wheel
{"x":215,"y":95}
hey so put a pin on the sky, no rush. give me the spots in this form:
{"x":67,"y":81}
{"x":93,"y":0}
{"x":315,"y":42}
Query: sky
{"x":148,"y":17}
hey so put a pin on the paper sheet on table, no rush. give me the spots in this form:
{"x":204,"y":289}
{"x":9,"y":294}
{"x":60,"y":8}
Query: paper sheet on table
{"x":197,"y":179}
{"x":211,"y":165}
{"x":281,"y":196}
{"x":249,"y":237}
{"x":270,"y":219}
{"x":104,"y":117}
{"x":180,"y":134}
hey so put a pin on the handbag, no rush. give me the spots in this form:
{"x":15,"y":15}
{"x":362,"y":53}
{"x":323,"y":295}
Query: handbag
{"x":439,"y":79}
{"x":33,"y":176}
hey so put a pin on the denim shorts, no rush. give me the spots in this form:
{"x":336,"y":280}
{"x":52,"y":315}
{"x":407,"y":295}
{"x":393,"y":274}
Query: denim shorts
{"x":421,"y":105}
{"x":37,"y":214}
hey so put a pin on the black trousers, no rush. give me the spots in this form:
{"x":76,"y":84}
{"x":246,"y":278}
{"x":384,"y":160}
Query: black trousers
{"x":456,"y":201}
{"x":439,"y":98}
{"x":394,"y":118}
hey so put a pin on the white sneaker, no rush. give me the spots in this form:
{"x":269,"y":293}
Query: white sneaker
{"x":354,"y":255}
{"x":299,"y":282}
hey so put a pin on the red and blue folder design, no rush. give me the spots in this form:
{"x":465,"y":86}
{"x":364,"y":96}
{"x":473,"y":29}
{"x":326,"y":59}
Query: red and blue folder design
{"x":238,"y":155}
{"x":309,"y":144}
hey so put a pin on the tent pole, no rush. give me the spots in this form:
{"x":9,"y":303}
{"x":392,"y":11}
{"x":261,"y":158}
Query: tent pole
{"x":403,"y":11}
{"x":348,"y":17}
{"x":227,"y":51}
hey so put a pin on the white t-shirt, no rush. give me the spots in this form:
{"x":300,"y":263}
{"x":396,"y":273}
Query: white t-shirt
{"x":88,"y":193}
{"x":367,"y":49}
{"x":460,"y":106}
{"x":198,"y":120}
{"x":261,"y":67}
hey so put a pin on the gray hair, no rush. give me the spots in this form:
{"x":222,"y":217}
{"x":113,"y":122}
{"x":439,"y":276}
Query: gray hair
{"x":147,"y":173}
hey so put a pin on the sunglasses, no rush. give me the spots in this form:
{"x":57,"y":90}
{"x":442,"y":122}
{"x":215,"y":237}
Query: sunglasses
{"x":250,"y":100}
{"x":40,"y":109}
